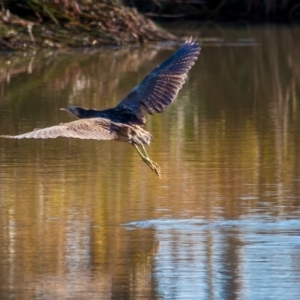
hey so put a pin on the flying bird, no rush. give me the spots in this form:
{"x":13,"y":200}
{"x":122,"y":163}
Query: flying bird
{"x":124,"y":122}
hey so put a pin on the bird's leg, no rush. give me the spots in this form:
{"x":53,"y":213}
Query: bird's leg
{"x":144,"y":149}
{"x":153,"y":166}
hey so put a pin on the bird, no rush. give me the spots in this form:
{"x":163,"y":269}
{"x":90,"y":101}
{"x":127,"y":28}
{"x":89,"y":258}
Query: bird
{"x":125,"y":121}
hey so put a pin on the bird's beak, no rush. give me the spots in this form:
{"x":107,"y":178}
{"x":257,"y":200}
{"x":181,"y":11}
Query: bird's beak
{"x":62,"y":108}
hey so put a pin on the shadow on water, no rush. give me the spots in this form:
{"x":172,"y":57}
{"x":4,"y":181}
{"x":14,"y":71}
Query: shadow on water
{"x":222,"y":223}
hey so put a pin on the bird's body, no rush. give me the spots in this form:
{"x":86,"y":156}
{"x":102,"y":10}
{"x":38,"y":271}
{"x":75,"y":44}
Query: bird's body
{"x":117,"y":114}
{"x":123,"y":123}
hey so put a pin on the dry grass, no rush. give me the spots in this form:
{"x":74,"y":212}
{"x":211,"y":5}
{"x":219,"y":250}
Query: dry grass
{"x":75,"y":23}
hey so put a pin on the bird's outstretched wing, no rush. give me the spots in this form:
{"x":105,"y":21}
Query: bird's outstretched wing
{"x":96,"y":129}
{"x":160,"y":87}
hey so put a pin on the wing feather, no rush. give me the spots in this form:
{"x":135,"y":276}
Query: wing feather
{"x":159,"y":88}
{"x":96,"y":129}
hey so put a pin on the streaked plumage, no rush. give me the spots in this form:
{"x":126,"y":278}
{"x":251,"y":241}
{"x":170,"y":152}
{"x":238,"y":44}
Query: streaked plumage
{"x":90,"y":129}
{"x":154,"y":94}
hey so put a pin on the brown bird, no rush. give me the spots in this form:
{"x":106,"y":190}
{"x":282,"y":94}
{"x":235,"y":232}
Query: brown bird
{"x":123,"y":123}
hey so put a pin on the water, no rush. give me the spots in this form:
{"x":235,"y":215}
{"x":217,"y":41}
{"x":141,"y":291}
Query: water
{"x":83,"y":219}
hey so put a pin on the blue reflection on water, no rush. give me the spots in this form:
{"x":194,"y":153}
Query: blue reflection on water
{"x":226,"y":259}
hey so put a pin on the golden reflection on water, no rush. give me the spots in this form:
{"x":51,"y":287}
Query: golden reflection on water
{"x":225,"y":212}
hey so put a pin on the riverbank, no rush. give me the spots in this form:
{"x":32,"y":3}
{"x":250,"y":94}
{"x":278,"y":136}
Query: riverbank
{"x":65,"y":24}
{"x":32,"y":24}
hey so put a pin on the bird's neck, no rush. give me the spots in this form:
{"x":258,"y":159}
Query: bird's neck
{"x":93,"y":113}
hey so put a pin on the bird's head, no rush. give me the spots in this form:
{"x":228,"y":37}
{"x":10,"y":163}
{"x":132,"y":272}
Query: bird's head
{"x":77,"y":111}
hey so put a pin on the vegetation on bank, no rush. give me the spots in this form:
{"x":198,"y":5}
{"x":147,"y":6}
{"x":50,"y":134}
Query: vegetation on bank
{"x":73,"y":23}
{"x":26,"y":24}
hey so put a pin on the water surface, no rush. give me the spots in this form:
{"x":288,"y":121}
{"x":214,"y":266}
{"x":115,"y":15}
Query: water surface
{"x":84,"y":219}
